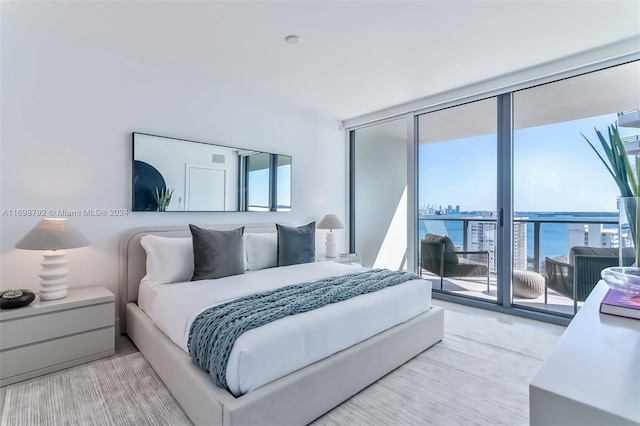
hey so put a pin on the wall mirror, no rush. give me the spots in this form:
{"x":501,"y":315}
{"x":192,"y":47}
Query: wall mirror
{"x":180,"y":175}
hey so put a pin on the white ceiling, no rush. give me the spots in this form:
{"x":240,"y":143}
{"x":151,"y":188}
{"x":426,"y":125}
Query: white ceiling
{"x":356,"y":57}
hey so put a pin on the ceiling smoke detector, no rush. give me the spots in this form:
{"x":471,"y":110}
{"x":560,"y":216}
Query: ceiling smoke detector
{"x":293,"y":39}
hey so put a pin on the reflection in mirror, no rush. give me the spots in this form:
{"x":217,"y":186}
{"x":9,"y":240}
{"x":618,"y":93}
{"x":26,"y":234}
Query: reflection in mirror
{"x":257,"y":168}
{"x":179,"y":175}
{"x":283,"y":184}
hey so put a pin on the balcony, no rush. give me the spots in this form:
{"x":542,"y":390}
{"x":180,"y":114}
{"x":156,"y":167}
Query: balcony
{"x":534,"y":239}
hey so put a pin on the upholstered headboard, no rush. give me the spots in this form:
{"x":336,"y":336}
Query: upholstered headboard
{"x":133,"y":257}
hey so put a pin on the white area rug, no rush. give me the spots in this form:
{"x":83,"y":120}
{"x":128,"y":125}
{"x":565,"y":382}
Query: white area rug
{"x":478,"y":375}
{"x":120,"y":391}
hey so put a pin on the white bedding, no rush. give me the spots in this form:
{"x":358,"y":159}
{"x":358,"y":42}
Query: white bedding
{"x":267,"y":353}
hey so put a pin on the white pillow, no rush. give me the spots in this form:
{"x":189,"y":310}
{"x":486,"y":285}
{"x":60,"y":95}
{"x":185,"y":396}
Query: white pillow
{"x":262,"y":250}
{"x":169,"y":260}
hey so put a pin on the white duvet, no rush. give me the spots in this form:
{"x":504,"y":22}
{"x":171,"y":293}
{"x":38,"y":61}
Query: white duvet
{"x":267,"y":353}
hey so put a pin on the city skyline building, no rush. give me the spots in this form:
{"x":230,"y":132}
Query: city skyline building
{"x":592,"y":235}
{"x":481,"y":236}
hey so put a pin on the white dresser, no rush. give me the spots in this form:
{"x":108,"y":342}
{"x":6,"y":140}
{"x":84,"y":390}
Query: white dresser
{"x":592,"y":376}
{"x":47,"y":336}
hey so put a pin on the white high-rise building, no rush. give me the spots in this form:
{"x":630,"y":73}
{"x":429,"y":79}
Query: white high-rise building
{"x":592,"y":235}
{"x":520,"y":245}
{"x":481,"y":236}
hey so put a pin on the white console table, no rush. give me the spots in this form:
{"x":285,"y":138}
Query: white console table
{"x":592,"y":376}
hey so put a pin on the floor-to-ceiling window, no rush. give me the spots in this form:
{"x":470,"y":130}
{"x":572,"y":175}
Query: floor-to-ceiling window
{"x":283,"y":183}
{"x":257,"y":181}
{"x":457,"y":202}
{"x":565,"y":201}
{"x":560,"y":193}
{"x":380,"y":206}
{"x":266,"y":182}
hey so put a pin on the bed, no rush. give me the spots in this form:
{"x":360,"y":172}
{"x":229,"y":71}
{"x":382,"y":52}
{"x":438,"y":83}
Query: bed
{"x":297,"y":398}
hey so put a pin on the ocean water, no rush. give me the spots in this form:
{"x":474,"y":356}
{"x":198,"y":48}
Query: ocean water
{"x":553,"y":236}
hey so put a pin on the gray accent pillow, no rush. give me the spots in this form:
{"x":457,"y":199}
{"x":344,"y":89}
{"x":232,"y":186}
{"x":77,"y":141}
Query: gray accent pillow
{"x":217,"y":254}
{"x":296,"y":244}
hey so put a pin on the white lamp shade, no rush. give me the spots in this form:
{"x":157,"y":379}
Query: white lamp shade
{"x":330,"y":221}
{"x":53,"y":234}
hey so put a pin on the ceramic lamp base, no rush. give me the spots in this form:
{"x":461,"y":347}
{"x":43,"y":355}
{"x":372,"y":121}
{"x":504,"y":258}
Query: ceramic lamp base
{"x":53,"y":284}
{"x":330,"y":244}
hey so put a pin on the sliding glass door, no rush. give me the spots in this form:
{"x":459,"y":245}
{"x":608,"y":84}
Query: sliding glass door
{"x":565,"y":200}
{"x":457,"y":203}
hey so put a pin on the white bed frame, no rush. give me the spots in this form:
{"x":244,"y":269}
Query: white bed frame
{"x":295,"y":399}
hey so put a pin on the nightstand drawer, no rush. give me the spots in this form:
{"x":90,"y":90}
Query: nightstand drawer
{"x":36,"y":328}
{"x":26,"y":359}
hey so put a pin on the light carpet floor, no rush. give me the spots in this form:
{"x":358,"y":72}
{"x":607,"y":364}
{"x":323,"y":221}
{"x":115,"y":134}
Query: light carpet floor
{"x":120,"y":391}
{"x":478,"y":375}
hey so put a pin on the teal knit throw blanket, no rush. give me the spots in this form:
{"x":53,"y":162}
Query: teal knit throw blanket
{"x":214,"y":332}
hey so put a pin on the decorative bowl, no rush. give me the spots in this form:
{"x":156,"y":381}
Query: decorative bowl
{"x":16,"y":298}
{"x":623,"y":279}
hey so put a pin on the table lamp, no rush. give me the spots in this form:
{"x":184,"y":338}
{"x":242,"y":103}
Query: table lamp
{"x":330,"y":222}
{"x":53,"y":235}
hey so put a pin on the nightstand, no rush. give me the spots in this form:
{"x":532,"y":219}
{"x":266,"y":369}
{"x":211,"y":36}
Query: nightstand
{"x":48,"y":336}
{"x":348,"y":260}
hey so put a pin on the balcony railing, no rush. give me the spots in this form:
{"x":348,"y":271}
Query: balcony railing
{"x":536,"y":232}
{"x":535,"y":252}
{"x":536,"y":229}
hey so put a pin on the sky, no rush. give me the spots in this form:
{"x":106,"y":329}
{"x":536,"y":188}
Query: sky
{"x":555,"y":169}
{"x":259,"y":186}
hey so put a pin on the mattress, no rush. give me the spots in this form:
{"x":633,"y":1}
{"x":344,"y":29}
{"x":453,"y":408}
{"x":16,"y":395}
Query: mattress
{"x":274,"y":350}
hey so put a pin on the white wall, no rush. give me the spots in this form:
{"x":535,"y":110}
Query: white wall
{"x":381,"y":204}
{"x":67,"y":117}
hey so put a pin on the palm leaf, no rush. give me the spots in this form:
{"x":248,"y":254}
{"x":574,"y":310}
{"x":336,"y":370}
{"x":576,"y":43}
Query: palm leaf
{"x":600,"y":156}
{"x":637,"y":176}
{"x":618,"y":164}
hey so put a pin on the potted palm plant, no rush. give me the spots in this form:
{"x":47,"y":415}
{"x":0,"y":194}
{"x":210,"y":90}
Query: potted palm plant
{"x":627,"y":178}
{"x":163,"y":198}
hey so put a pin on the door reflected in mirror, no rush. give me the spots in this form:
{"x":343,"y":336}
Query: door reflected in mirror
{"x":172,"y":174}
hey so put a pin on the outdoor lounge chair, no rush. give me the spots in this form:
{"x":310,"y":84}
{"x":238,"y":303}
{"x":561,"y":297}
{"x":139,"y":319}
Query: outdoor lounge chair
{"x":438,"y":256}
{"x":580,"y":276}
